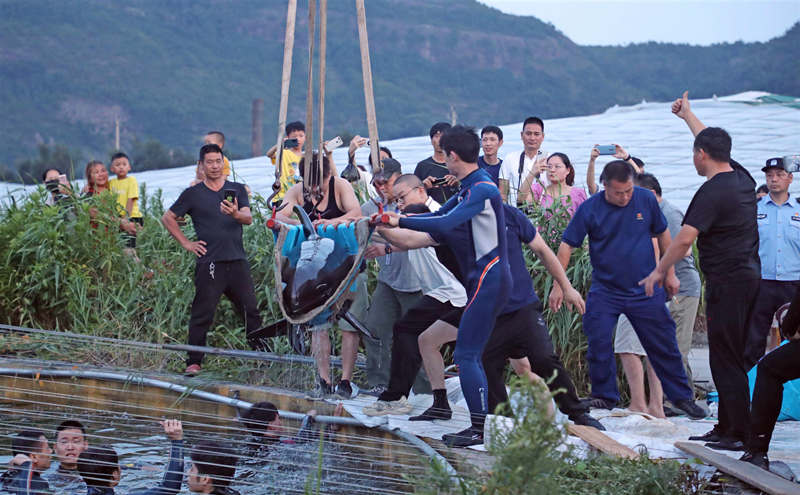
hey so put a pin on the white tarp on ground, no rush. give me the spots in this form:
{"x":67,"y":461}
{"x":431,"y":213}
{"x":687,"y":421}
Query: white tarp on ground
{"x":647,"y":130}
{"x":640,"y":433}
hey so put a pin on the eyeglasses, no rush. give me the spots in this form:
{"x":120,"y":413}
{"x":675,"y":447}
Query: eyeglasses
{"x":401,"y":198}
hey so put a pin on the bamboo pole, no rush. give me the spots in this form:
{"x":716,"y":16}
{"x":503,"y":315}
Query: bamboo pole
{"x":308,"y":174}
{"x":369,"y":98}
{"x":323,"y":37}
{"x":288,"y":48}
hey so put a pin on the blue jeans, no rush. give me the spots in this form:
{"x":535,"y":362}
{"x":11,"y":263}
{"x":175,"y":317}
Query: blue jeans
{"x":656,"y":331}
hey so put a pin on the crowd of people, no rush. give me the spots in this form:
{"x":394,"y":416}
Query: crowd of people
{"x":448,"y":247}
{"x":83,"y":467}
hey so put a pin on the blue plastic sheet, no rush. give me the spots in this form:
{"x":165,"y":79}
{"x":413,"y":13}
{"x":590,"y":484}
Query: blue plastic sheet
{"x":790,"y":409}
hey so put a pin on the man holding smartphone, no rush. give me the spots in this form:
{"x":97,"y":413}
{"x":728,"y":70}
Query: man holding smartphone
{"x":432,"y":171}
{"x":520,"y":168}
{"x":222,"y":266}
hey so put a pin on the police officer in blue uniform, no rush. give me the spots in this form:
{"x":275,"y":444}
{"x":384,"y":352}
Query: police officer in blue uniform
{"x":778,"y":218}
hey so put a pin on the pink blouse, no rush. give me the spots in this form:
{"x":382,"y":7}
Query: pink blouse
{"x":543,"y":198}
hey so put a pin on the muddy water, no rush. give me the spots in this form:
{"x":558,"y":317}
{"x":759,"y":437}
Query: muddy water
{"x":125,"y":417}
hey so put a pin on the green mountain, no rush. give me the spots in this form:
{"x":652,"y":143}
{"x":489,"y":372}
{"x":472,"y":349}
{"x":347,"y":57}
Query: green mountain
{"x":173,"y":70}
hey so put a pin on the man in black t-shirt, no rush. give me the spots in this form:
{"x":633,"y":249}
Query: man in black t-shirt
{"x":432,"y":171}
{"x":222,"y":266}
{"x":722,"y":217}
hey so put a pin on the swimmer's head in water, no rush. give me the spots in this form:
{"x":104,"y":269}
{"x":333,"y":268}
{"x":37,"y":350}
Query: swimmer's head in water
{"x":70,"y":442}
{"x":99,"y":466}
{"x":213,"y":466}
{"x":262,"y":419}
{"x":33,"y":444}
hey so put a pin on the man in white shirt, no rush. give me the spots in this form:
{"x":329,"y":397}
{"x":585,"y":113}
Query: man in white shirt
{"x":520,"y":168}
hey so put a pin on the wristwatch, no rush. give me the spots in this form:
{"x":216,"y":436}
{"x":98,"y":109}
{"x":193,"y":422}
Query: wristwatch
{"x":387,"y":248}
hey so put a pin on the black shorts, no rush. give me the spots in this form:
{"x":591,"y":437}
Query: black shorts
{"x":519,"y":334}
{"x":453,"y":317}
{"x":130,"y":240}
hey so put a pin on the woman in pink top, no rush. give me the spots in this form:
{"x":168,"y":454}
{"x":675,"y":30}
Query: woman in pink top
{"x":561,"y":177}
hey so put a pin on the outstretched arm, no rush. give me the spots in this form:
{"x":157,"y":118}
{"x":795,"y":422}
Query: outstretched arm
{"x":173,"y":477}
{"x":675,"y":252}
{"x":683,"y":110}
{"x":406,"y":239}
{"x":556,"y":293}
{"x":553,"y":266}
{"x":591,"y":185}
{"x":471,"y":205}
{"x":290,"y":199}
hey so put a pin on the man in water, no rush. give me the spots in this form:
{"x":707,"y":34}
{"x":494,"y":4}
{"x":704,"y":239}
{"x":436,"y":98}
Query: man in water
{"x":69,"y":443}
{"x":99,"y":466}
{"x":213,"y":468}
{"x":482,"y":260}
{"x":32,"y":454}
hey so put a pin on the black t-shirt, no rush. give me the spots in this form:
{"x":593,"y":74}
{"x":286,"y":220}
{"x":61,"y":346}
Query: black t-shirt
{"x":431,"y":168}
{"x":222,"y":234}
{"x":724,"y":211}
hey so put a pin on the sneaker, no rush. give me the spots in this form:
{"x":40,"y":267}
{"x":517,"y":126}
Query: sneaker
{"x":726,"y":443}
{"x":599,"y":403}
{"x":758,"y":459}
{"x":691,"y":408}
{"x":465,"y":438}
{"x":398,"y":407}
{"x":433,"y":413}
{"x":344,"y":390}
{"x":671,"y":411}
{"x":586,"y":420}
{"x":323,"y":391}
{"x":715,"y":435}
{"x":374,"y":391}
{"x":192,"y":370}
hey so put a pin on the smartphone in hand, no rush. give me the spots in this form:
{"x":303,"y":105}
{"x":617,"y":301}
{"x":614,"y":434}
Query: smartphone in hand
{"x":606,"y":149}
{"x":333,"y":144}
{"x":290,"y":143}
{"x":230,"y":195}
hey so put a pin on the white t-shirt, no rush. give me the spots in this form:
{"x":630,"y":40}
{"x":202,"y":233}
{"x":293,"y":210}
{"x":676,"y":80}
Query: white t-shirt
{"x":436,"y":280}
{"x":509,"y":170}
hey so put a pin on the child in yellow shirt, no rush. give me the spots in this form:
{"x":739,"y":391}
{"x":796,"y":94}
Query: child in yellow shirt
{"x":127,"y":190}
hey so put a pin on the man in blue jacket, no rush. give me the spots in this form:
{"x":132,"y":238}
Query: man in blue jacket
{"x":99,"y":466}
{"x":32,"y":454}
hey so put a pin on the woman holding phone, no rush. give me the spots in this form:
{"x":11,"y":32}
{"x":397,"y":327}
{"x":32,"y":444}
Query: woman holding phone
{"x":561,"y":180}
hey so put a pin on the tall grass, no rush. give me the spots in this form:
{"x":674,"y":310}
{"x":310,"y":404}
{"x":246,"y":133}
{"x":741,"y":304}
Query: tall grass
{"x":61,"y":268}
